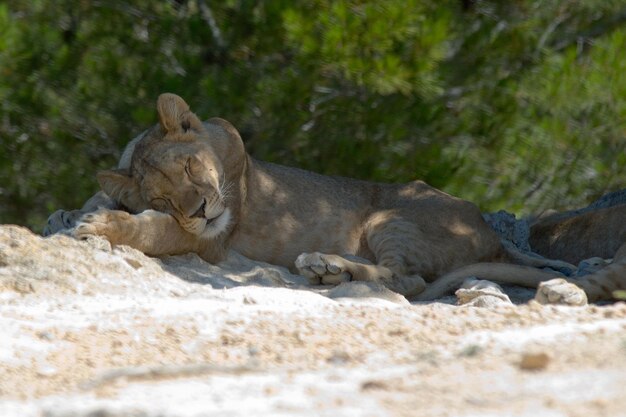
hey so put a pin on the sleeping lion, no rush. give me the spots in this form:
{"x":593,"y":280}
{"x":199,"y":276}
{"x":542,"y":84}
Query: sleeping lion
{"x":188,"y":186}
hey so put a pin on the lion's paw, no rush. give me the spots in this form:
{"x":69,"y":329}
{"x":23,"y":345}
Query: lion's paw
{"x":111,"y":224}
{"x":61,"y":220}
{"x":559,"y":291}
{"x":319,"y":268}
{"x":590,"y":266}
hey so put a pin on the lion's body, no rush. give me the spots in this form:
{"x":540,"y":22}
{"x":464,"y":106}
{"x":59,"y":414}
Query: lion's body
{"x":411,"y":228}
{"x":195,"y":189}
{"x":574,"y":237}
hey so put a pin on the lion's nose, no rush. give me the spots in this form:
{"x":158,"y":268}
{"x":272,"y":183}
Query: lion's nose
{"x":200,"y":211}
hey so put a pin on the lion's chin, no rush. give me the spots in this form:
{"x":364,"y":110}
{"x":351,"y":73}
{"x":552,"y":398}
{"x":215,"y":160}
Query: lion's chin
{"x":215,"y":226}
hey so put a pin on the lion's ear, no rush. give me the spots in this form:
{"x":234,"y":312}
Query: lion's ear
{"x":174,"y":113}
{"x":121,"y":187}
{"x":226,"y":126}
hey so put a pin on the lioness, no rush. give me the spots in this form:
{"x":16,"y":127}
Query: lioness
{"x":575,"y":236}
{"x":195,"y":189}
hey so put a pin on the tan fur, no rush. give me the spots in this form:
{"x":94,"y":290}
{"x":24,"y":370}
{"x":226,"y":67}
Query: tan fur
{"x":580,"y":236}
{"x":326,"y":228}
{"x":575,"y":237}
{"x":63,"y":220}
{"x":602,"y":284}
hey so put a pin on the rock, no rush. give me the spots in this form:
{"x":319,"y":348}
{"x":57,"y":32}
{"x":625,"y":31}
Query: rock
{"x":481,"y":293}
{"x":61,"y":264}
{"x":375,"y":385}
{"x":559,"y":291}
{"x":608,"y":200}
{"x":534,"y":361}
{"x":510,"y":229}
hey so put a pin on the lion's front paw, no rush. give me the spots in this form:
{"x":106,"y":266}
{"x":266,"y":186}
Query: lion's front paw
{"x":111,"y":224}
{"x":324,"y":269}
{"x":590,"y":266}
{"x":559,"y":291}
{"x":61,"y":220}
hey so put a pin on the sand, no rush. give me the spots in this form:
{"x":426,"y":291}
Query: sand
{"x":90,"y":330}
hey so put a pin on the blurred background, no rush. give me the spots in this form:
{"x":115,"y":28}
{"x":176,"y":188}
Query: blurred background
{"x":516,"y":105}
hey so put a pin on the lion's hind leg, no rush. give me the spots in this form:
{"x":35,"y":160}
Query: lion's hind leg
{"x":322,"y":268}
{"x":603,"y":284}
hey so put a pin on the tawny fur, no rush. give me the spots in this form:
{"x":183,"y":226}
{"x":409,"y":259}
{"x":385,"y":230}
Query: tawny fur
{"x":402,"y":235}
{"x":575,"y":237}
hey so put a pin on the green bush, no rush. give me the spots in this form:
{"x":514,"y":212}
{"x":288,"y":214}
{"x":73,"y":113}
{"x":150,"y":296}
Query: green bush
{"x":514,"y":105}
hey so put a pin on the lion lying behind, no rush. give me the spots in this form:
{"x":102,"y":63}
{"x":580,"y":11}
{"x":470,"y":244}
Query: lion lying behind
{"x":194,"y":188}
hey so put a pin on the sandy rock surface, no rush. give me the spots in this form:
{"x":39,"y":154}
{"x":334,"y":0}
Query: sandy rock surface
{"x":87,"y":330}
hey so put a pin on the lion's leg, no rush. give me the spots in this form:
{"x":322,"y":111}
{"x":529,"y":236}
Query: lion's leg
{"x":598,"y":286}
{"x":334,"y":269}
{"x":151,"y":232}
{"x":322,"y":268}
{"x":62,"y":220}
{"x":395,"y":242}
{"x":390,"y":239}
{"x":601,"y":284}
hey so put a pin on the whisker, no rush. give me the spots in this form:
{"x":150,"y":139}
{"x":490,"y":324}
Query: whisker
{"x":220,"y":185}
{"x":225,"y":190}
{"x":220,"y":189}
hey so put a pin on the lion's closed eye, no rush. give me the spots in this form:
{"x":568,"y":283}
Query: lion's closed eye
{"x":160,"y":204}
{"x":188,"y":168}
{"x":198,"y":172}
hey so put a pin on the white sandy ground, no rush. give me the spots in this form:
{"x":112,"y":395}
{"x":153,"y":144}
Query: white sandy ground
{"x":93,"y":332}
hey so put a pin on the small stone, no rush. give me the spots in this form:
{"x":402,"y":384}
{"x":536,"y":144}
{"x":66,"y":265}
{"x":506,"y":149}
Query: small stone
{"x":374,"y":385}
{"x":4,"y":259}
{"x":46,"y":370}
{"x":43,"y":335}
{"x":481,"y":293}
{"x":23,"y":286}
{"x":471,"y":351}
{"x":134,"y":263}
{"x":338,"y":357}
{"x":249,"y":300}
{"x":559,"y":291}
{"x":534,"y":361}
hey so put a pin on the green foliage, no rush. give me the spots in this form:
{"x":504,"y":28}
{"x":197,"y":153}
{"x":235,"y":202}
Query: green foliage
{"x":514,"y":105}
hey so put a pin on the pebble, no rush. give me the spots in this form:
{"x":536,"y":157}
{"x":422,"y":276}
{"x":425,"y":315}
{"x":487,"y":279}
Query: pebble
{"x":534,"y":361}
{"x":47,"y":370}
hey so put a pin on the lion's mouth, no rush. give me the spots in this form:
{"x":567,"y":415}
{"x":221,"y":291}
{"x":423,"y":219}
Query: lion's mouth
{"x":217,"y":224}
{"x":212,"y":220}
{"x":200,"y":212}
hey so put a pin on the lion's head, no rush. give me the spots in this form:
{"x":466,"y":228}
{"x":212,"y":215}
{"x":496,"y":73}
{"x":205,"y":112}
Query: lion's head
{"x":183,"y":167}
